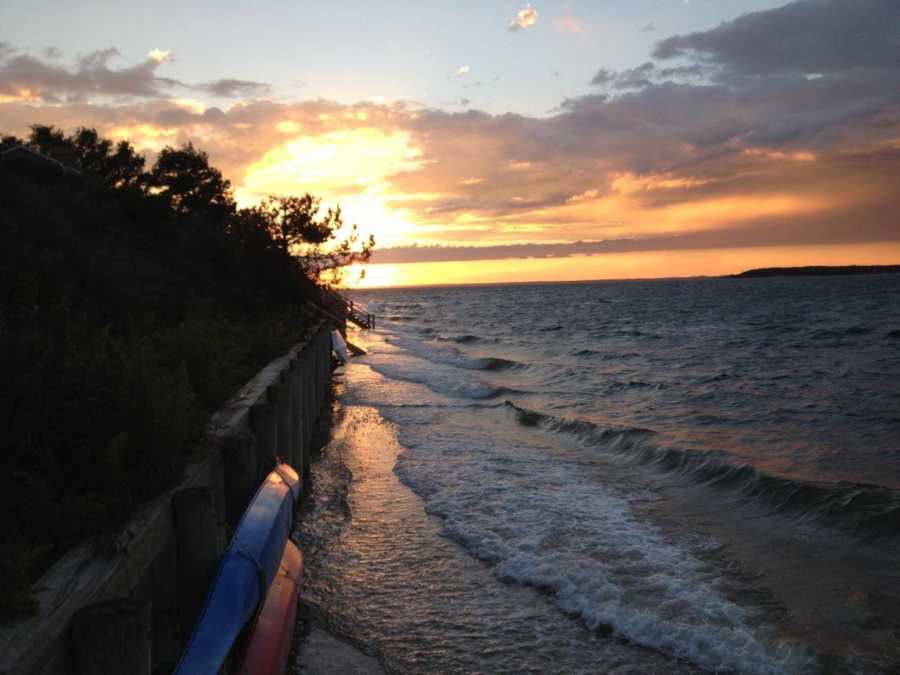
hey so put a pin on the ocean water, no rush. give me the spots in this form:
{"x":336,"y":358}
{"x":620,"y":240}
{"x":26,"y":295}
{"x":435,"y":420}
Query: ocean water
{"x":623,"y":477}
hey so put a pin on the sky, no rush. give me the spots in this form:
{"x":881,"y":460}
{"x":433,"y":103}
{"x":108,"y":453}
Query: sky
{"x":502,"y":141}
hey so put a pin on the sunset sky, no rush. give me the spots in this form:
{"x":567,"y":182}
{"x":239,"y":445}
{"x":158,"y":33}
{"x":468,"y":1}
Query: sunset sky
{"x":490,"y":141}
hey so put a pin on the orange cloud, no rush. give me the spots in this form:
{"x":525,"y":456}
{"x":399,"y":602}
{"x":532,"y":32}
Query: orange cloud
{"x":734,"y":146}
{"x":693,"y":164}
{"x":777,"y":154}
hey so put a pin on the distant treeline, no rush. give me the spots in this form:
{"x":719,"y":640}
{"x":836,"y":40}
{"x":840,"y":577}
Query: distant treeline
{"x":821,"y":271}
{"x":133,"y":302}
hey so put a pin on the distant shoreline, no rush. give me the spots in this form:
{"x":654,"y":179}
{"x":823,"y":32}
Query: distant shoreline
{"x":815,"y":271}
{"x":762,"y":272}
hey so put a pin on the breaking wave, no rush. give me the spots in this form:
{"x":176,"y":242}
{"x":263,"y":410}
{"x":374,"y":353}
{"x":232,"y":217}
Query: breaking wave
{"x":868,"y":511}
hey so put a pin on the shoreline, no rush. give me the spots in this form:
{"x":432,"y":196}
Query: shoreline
{"x":522,"y":504}
{"x":320,"y":651}
{"x":381,"y":567}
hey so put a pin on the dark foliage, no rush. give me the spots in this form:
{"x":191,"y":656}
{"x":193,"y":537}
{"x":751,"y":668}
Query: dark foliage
{"x":7,"y":142}
{"x":185,"y":178}
{"x":132,"y":304}
{"x":296,"y":227}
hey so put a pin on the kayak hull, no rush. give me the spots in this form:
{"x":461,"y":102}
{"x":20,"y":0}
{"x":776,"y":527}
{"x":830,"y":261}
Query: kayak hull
{"x":272,"y":634}
{"x":245,"y":573}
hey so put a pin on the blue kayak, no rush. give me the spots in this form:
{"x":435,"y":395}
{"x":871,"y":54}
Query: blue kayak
{"x":245,"y":573}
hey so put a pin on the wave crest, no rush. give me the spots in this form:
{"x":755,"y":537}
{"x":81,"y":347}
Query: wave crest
{"x":868,"y":511}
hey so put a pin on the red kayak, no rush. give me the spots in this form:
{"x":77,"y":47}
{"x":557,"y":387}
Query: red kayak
{"x":272,"y":635}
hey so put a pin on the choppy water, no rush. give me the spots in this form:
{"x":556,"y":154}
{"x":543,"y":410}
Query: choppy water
{"x":622,"y":477}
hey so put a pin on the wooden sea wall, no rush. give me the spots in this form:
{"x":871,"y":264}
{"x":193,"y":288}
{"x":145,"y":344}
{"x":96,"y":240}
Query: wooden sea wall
{"x":144,"y":597}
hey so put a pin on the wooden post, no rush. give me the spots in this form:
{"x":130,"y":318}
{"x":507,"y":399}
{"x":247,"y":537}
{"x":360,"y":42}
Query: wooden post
{"x":314,"y":377}
{"x":112,"y":637}
{"x":323,"y":384}
{"x":198,"y":551}
{"x":295,"y":376}
{"x":314,"y":380}
{"x":308,"y":397}
{"x":239,"y":457}
{"x":166,"y":599}
{"x":264,"y":422}
{"x":325,"y":373}
{"x":320,"y":347}
{"x":284,"y":405}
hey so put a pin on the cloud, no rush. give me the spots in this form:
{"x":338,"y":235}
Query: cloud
{"x":92,"y":75}
{"x":799,"y":228}
{"x":525,"y":18}
{"x":603,"y":77}
{"x":230,"y":88}
{"x":159,"y":55}
{"x":707,"y":149}
{"x":849,"y":48}
{"x":674,"y":161}
{"x":647,"y":28}
{"x":810,"y":36}
{"x":634,"y":78}
{"x":25,"y":77}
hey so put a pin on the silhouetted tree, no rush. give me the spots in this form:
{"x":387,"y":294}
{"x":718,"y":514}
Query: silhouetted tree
{"x":119,"y":168}
{"x":295,"y":226}
{"x":95,"y":154}
{"x":48,"y":139}
{"x":333,"y":261}
{"x":125,"y":167}
{"x":291,"y":221}
{"x":185,"y":177}
{"x":7,"y":142}
{"x":51,"y":141}
{"x":92,"y":151}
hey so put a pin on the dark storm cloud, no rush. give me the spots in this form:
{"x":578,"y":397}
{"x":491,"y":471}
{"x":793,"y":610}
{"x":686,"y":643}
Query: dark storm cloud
{"x":811,"y":36}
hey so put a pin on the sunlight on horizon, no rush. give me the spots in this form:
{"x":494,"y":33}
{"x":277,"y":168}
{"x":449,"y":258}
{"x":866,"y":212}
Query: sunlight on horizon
{"x":571,"y":126}
{"x":617,"y":266}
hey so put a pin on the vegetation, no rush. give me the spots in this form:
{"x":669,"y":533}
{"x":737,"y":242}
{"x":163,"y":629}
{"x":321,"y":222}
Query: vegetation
{"x":133,"y":302}
{"x":819,"y":271}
